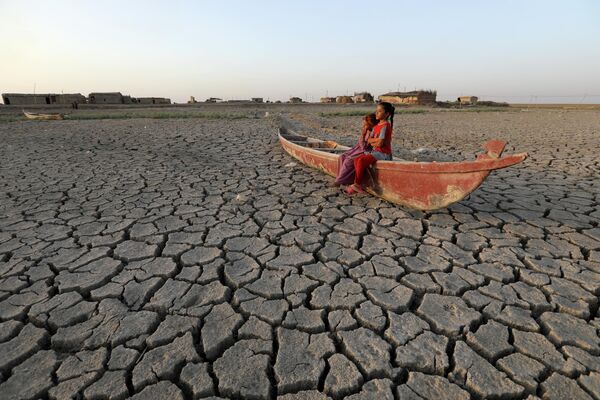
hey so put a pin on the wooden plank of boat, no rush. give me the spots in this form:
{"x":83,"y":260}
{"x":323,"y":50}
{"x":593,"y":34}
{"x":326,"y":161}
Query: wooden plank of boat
{"x":419,"y":185}
{"x":43,"y":117}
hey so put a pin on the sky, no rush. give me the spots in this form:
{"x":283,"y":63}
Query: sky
{"x":505,"y":50}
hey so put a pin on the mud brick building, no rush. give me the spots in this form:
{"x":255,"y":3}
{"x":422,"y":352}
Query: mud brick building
{"x":24,"y":99}
{"x":468,"y":100}
{"x":129,"y":100}
{"x":18,"y":99}
{"x":69,"y":98}
{"x":413,"y":97}
{"x":363,"y":97}
{"x":153,"y":100}
{"x":106,"y":98}
{"x":327,"y":100}
{"x":344,"y":100}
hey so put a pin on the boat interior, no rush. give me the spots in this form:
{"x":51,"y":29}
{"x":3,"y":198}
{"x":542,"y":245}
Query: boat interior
{"x":316,"y":144}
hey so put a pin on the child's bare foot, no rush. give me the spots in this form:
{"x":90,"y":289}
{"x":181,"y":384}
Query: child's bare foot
{"x":353,"y":190}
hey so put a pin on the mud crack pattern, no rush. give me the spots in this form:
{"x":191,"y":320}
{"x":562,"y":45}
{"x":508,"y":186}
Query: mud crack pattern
{"x":181,"y":260}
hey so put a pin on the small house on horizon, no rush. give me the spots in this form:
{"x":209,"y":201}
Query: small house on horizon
{"x":470,"y":100}
{"x":327,"y":100}
{"x":421,"y":97}
{"x":363,"y":97}
{"x":344,"y":100}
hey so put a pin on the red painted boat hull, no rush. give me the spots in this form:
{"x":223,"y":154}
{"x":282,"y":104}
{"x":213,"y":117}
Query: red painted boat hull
{"x":419,"y":185}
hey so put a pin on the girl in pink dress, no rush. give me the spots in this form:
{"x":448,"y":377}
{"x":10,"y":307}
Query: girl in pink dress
{"x":345,"y":173}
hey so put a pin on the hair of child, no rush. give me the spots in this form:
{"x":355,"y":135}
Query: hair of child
{"x":371,"y":120}
{"x":389,"y":108}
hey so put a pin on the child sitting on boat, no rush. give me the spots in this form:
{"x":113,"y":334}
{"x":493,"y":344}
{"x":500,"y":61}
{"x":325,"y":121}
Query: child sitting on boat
{"x":345,"y":174}
{"x":382,"y":146}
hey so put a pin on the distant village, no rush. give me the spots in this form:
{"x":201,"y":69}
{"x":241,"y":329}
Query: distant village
{"x":25,"y":99}
{"x":416,"y":97}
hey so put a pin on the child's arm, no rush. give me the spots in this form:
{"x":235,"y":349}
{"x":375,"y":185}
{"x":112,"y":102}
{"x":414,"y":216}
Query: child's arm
{"x":378,"y":141}
{"x":375,"y":142}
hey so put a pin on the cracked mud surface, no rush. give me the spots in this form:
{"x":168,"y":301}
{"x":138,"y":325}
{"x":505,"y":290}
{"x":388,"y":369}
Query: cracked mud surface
{"x":186,"y":259}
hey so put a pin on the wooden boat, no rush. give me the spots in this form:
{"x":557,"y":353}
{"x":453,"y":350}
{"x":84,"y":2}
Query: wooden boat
{"x":419,"y":185}
{"x":43,"y":117}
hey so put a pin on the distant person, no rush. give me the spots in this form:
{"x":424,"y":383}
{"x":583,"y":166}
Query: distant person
{"x":382,"y":147}
{"x":345,"y":173}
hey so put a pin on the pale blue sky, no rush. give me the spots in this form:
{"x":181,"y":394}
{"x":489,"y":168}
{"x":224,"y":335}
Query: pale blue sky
{"x":499,"y":50}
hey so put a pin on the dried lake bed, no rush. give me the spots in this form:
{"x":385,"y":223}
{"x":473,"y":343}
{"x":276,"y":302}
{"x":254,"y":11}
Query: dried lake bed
{"x":193,"y":258}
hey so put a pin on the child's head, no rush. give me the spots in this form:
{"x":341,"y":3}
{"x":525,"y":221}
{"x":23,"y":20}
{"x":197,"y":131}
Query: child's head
{"x":384,"y":111}
{"x":369,"y":121}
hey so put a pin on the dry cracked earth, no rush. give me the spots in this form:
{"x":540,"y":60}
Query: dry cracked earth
{"x":186,"y":259}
